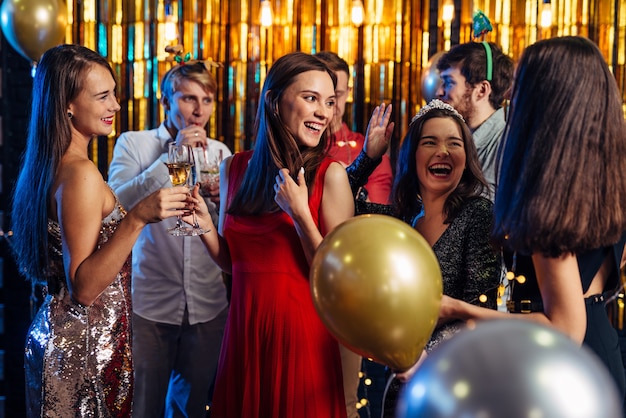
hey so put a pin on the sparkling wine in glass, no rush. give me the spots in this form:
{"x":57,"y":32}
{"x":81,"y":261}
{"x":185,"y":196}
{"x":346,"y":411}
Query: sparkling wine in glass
{"x":179,"y":172}
{"x":208,"y":168}
{"x":179,"y":165}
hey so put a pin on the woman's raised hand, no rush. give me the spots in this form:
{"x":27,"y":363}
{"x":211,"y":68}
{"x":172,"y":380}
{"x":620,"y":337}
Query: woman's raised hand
{"x":379,"y":131}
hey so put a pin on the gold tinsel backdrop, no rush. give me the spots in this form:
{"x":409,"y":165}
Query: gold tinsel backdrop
{"x":386,"y":52}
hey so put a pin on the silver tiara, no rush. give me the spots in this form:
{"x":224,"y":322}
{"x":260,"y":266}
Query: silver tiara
{"x":436,"y":104}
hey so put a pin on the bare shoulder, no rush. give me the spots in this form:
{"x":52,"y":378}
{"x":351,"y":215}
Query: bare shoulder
{"x":336,"y":172}
{"x":78,"y":171}
{"x":336,"y":184}
{"x":229,"y":159}
{"x":79,"y":182}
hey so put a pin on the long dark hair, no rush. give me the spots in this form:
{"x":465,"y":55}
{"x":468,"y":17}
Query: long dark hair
{"x":275,"y":146}
{"x":58,"y":81}
{"x":405,"y":192}
{"x":561,"y":183}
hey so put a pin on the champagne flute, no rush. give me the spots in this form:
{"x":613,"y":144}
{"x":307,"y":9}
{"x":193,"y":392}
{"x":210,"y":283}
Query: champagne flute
{"x":207,"y":168}
{"x":180,"y":162}
{"x":215,"y":159}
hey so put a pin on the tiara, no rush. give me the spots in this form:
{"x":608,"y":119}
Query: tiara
{"x":436,"y":104}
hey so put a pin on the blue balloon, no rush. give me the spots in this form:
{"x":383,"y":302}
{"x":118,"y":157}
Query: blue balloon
{"x":513,"y":369}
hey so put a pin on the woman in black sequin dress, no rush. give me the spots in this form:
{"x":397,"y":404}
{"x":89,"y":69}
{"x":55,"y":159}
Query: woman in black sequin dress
{"x":437,"y":190}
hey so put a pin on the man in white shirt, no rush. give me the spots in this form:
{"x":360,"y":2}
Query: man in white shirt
{"x":179,"y":298}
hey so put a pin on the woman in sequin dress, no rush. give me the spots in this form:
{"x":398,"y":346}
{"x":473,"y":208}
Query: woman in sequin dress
{"x":438,"y":190}
{"x":72,"y":236}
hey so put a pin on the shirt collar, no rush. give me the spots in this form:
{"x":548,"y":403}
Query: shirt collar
{"x":164,"y":136}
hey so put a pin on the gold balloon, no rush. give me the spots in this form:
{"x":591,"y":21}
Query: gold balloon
{"x":33,"y":26}
{"x":376,"y":285}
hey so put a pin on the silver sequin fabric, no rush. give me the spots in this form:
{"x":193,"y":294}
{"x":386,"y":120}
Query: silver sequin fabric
{"x":78,"y":358}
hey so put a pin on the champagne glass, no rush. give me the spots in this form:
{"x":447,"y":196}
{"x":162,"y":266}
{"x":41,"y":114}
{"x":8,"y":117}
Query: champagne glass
{"x":208,"y":168}
{"x":179,"y":164}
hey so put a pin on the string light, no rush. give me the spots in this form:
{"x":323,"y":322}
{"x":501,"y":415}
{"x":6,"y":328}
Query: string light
{"x":546,"y":14}
{"x":171,"y":25}
{"x":510,"y":278}
{"x":363,"y":404}
{"x":507,"y":281}
{"x":358,"y":12}
{"x":447,"y":15}
{"x":266,"y":14}
{"x":447,"y":11}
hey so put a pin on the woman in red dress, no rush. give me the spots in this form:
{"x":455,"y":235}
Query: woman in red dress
{"x":278,"y":359}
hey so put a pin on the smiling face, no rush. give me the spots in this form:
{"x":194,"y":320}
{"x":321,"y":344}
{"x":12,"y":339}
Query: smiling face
{"x":189,"y":104}
{"x":96,"y":104}
{"x":307,"y":106}
{"x":440,"y":157}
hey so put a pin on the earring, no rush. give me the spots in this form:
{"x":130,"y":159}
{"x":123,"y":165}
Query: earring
{"x":70,"y":115}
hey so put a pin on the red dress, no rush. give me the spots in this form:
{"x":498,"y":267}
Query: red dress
{"x":277,"y":358}
{"x":345,"y":146}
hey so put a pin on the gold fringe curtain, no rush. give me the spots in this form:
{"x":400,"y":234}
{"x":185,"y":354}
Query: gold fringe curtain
{"x":386,"y":54}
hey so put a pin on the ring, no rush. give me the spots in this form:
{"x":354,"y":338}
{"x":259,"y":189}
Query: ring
{"x":196,"y":134}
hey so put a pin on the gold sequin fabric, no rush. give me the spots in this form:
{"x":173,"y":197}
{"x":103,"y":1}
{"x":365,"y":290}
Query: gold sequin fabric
{"x":78,"y":358}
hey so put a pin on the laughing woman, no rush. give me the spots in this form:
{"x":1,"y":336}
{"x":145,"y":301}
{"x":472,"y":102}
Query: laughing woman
{"x":437,"y":190}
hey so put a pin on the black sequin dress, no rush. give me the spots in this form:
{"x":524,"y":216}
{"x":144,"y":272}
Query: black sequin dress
{"x":470,"y":265}
{"x":78,"y":358}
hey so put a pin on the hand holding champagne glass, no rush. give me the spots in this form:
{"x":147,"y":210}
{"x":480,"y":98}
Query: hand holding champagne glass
{"x":180,"y":163}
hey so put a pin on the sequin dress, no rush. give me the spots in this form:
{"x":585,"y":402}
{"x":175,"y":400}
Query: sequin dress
{"x":470,"y":266}
{"x":78,"y":358}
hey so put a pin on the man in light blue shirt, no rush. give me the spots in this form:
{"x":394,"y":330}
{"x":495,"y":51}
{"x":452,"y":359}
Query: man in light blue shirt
{"x":179,"y":298}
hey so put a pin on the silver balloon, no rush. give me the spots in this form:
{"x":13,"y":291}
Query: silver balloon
{"x":513,"y":369}
{"x":430,"y":77}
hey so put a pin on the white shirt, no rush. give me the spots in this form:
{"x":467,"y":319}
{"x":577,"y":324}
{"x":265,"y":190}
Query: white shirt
{"x":168,"y":272}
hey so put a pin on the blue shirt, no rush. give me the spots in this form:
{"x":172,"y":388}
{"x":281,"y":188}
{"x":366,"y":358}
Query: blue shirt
{"x":487,"y":139}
